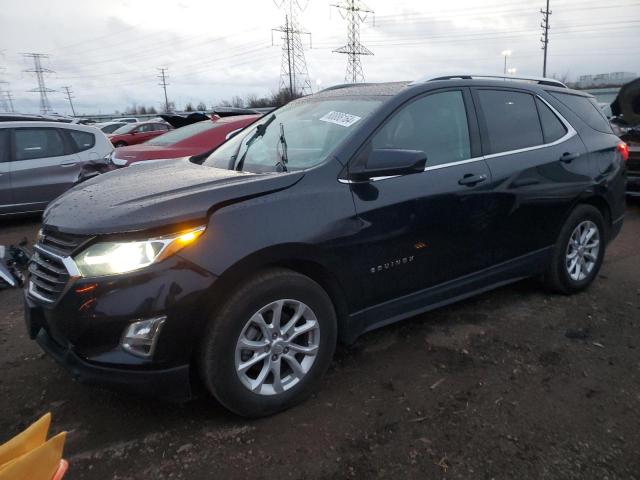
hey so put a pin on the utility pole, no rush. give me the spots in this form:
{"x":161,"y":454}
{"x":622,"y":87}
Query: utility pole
{"x":163,"y":83}
{"x":40,"y":71}
{"x":355,"y":12}
{"x":68,"y":91}
{"x":545,"y":36}
{"x":294,"y":75}
{"x":9,"y":100}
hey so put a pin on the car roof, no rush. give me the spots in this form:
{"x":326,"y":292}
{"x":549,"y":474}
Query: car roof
{"x":235,"y":118}
{"x":362,"y":89}
{"x":35,"y":124}
{"x":394,"y":88}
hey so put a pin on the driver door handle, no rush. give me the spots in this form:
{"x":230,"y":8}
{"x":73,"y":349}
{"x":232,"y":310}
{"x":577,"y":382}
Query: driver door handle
{"x":470,"y":179}
{"x":68,"y":164}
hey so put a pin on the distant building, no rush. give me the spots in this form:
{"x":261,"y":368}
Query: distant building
{"x":613,"y":79}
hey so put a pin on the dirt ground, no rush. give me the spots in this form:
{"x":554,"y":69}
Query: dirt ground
{"x":489,"y":388}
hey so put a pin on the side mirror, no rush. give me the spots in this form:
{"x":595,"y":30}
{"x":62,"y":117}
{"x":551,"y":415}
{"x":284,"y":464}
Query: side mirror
{"x":390,"y":162}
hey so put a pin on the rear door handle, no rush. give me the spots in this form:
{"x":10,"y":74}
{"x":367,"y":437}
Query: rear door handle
{"x":470,"y":179}
{"x":68,"y":164}
{"x":568,"y":157}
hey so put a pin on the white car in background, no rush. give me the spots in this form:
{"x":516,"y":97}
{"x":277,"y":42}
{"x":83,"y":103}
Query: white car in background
{"x":126,"y":120}
{"x":109,"y":127}
{"x":41,"y":160}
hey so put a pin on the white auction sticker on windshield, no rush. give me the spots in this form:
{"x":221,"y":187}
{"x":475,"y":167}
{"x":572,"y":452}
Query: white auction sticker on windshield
{"x":339,"y":118}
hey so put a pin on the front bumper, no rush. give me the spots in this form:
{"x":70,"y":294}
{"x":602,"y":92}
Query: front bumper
{"x":82,"y":330}
{"x":171,"y":384}
{"x":633,"y":184}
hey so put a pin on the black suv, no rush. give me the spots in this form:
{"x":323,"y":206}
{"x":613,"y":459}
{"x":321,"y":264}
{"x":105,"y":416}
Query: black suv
{"x":337,"y":214}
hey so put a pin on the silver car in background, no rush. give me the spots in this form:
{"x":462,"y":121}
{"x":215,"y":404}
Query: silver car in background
{"x":41,"y":160}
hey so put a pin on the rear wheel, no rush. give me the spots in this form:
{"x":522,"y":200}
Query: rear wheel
{"x":270,"y":343}
{"x":579,"y":251}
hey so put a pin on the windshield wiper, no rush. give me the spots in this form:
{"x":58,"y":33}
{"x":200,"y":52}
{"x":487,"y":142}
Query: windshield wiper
{"x":284,"y":158}
{"x":260,"y":129}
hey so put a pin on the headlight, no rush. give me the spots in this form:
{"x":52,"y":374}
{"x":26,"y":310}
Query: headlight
{"x":112,"y":258}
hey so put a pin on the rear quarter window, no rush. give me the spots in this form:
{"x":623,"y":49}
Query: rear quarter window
{"x":82,"y":140}
{"x":585,"y":108}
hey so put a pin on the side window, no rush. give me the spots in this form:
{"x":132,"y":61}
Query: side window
{"x":512,"y":120}
{"x":141,"y":129}
{"x":435,"y":124}
{"x":552,"y":128}
{"x":82,"y":140}
{"x":586,"y":109}
{"x":38,"y":143}
{"x":161,"y":126}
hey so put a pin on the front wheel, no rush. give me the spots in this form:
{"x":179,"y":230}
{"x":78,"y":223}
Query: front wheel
{"x":579,"y":251}
{"x":270,"y":343}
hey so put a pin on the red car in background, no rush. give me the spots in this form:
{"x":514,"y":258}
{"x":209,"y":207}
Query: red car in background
{"x":134,"y":133}
{"x":195,"y":139}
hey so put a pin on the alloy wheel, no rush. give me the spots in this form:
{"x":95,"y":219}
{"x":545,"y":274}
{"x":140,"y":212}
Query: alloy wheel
{"x":582,"y":251}
{"x":277,"y":347}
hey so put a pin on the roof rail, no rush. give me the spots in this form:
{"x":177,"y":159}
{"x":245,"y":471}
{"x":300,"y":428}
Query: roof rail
{"x":551,"y":82}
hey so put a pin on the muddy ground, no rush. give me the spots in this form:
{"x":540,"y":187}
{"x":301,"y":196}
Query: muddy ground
{"x":488,"y":388}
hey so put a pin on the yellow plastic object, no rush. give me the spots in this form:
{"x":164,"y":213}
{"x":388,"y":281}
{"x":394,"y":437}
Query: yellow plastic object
{"x":39,"y":464}
{"x":29,"y":456}
{"x":32,"y":437}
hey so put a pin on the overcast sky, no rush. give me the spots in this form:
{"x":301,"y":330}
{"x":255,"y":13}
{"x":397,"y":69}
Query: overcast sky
{"x":109,"y":51}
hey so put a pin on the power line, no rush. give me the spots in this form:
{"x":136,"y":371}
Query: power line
{"x":545,"y":36}
{"x":293,"y":65}
{"x":68,"y":91}
{"x":40,"y":71}
{"x":355,"y":12}
{"x":163,"y":83}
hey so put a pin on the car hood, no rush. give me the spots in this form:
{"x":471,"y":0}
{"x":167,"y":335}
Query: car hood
{"x":156,"y":195}
{"x":155,"y":152}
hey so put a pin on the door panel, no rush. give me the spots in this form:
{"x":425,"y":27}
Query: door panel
{"x":41,"y":169}
{"x":423,"y":229}
{"x":534,"y":182}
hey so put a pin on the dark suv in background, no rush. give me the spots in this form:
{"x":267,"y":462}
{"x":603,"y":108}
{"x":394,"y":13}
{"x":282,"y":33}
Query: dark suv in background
{"x":337,"y":214}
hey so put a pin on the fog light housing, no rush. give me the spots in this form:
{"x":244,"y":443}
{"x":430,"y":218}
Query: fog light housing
{"x":140,"y":338}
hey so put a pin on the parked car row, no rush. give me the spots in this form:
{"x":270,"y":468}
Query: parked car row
{"x":334,"y":215}
{"x":41,"y":160}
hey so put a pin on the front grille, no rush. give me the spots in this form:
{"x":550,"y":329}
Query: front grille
{"x":48,"y":274}
{"x":62,"y":244}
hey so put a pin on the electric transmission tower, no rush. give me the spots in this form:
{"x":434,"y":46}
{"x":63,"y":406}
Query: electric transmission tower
{"x":355,"y":12}
{"x":40,"y":71}
{"x":545,"y":36}
{"x":163,"y":83}
{"x":294,"y":76}
{"x":68,"y":93}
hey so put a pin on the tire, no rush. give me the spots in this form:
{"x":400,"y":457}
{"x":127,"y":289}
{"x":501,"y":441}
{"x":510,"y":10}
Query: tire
{"x":560,"y":276}
{"x":221,"y":358}
{"x":120,"y":144}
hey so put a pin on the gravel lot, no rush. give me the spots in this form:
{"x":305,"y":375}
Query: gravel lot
{"x":489,"y":388}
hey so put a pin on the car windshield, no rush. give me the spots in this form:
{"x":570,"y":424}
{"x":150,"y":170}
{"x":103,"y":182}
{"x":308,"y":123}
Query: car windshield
{"x":297,"y":136}
{"x":125,"y":128}
{"x":180,"y":134}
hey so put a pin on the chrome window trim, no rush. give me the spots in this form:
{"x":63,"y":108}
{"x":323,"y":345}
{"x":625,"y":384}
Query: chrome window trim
{"x":571,"y":132}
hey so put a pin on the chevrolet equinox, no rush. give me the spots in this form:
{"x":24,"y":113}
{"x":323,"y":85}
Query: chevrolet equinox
{"x":336,"y":214}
